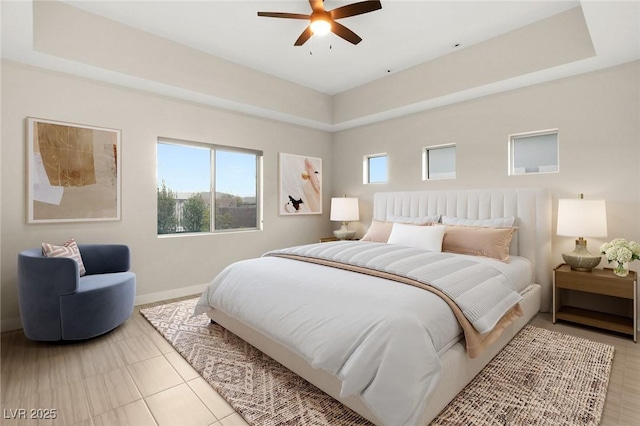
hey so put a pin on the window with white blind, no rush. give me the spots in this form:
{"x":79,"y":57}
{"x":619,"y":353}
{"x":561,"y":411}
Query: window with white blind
{"x":439,"y":162}
{"x":534,"y":152}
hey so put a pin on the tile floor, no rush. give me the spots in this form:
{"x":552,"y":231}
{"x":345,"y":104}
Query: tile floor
{"x":132,"y":376}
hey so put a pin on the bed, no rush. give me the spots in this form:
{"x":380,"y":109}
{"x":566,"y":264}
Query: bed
{"x":306,"y":333}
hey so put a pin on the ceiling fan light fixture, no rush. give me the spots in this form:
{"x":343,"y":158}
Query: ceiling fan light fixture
{"x":323,"y":22}
{"x":320,"y":27}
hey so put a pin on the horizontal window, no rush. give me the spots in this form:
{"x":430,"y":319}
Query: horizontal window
{"x":206,"y":188}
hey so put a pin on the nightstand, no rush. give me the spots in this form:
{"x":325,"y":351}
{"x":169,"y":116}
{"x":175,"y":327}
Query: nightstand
{"x":328,"y":239}
{"x":598,"y":281}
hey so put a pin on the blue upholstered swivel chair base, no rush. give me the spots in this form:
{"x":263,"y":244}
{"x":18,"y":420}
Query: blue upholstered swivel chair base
{"x":57,"y":304}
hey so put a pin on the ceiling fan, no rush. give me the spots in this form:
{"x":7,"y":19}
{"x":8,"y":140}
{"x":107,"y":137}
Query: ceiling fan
{"x":323,"y":21}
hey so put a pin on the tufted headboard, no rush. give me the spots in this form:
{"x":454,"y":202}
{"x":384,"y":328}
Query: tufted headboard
{"x":530,"y":206}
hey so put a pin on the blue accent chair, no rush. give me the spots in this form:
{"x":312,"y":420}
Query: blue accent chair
{"x":56,"y":303}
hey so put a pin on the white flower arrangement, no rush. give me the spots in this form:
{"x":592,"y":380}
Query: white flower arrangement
{"x":621,"y":250}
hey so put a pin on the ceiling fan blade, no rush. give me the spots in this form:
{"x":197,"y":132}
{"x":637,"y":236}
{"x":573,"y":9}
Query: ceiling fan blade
{"x":306,"y":35}
{"x":284,"y":15}
{"x":344,"y":32}
{"x":317,"y":5}
{"x":355,"y":9}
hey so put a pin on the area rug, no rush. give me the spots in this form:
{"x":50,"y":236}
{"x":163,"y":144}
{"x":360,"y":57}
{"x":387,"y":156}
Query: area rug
{"x":540,"y":378}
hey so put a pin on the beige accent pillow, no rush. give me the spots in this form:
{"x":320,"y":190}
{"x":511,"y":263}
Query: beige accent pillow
{"x":378,"y":231}
{"x":498,"y":222}
{"x":69,"y":249}
{"x":478,"y":241}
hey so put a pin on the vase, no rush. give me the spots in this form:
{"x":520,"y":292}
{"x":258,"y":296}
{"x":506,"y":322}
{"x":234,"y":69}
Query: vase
{"x":621,"y":269}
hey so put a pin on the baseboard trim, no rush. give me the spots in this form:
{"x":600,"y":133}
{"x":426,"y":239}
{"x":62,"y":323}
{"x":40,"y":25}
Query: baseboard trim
{"x":143,"y":299}
{"x":10,"y":324}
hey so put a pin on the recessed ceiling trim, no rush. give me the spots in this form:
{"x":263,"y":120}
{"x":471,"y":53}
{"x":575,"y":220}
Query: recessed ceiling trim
{"x":613,"y":27}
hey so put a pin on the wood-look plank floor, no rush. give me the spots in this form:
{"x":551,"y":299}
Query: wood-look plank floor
{"x":132,"y":376}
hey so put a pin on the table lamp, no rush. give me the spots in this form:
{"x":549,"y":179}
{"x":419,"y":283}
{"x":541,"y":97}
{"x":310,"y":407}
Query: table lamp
{"x":581,"y":218}
{"x":344,"y":210}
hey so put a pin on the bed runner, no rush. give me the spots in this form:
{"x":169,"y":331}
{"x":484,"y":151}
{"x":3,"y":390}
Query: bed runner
{"x":480,"y":296}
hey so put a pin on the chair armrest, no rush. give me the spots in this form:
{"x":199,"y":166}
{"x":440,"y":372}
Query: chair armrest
{"x":42,"y":281}
{"x":42,"y":276}
{"x":105,"y":258}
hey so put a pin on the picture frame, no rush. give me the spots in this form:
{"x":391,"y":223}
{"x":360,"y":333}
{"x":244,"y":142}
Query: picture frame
{"x":300,"y":185}
{"x":73,"y":172}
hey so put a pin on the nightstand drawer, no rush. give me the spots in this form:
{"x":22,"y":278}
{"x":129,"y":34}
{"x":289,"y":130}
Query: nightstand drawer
{"x":599,"y":281}
{"x":328,"y":239}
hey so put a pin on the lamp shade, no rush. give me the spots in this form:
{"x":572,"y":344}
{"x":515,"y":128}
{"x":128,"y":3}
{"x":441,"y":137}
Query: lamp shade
{"x":344,"y":209}
{"x":582,"y":218}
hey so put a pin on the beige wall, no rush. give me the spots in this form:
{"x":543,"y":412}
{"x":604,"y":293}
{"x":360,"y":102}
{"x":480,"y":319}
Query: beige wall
{"x":597,"y":114}
{"x":598,"y":117}
{"x":165,"y":267}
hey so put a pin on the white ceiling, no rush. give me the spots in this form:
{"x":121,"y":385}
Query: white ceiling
{"x":403,"y":34}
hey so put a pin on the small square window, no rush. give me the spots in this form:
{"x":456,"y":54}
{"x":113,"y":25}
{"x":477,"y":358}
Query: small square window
{"x":439,"y":162}
{"x":535,"y":152}
{"x":375,"y":168}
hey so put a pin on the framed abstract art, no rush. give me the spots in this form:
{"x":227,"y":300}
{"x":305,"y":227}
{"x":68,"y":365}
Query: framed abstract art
{"x":300,"y":185}
{"x":73,"y":172}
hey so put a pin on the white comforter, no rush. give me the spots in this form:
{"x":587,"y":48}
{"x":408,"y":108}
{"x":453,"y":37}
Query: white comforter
{"x":379,"y":337}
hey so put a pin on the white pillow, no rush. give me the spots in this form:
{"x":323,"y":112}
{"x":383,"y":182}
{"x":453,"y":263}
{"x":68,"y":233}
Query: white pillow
{"x":423,"y":237}
{"x":498,"y":222}
{"x":419,"y":220}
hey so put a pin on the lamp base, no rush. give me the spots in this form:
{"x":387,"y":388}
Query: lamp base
{"x":343,"y":233}
{"x":580,"y":259}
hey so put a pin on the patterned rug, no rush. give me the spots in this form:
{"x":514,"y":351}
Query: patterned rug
{"x":541,"y":377}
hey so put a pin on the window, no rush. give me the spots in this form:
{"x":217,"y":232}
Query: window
{"x":189,"y":174}
{"x":375,"y":168}
{"x":439,"y":162}
{"x":535,"y":152}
